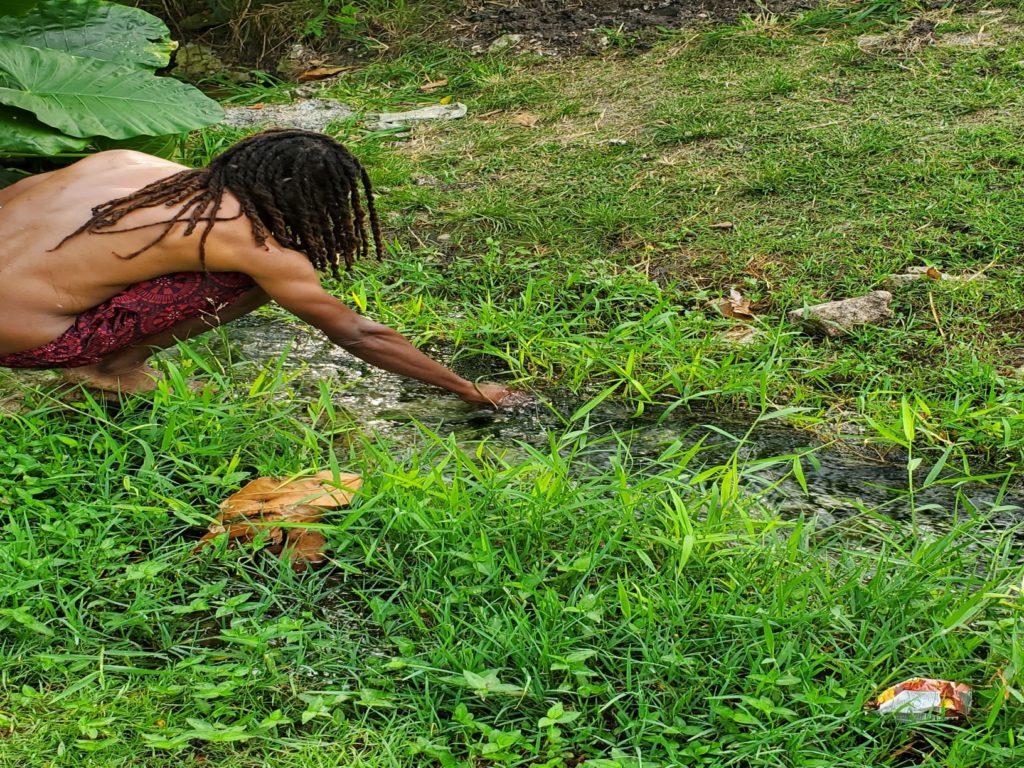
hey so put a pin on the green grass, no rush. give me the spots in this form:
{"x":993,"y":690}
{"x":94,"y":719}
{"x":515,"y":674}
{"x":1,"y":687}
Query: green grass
{"x":662,"y":612}
{"x":669,"y":617}
{"x":837,"y":165}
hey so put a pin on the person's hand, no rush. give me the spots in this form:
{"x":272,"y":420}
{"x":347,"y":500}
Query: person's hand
{"x":495,"y":395}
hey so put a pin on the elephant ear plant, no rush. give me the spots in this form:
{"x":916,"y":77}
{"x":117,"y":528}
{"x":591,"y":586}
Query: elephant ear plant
{"x":79,"y":75}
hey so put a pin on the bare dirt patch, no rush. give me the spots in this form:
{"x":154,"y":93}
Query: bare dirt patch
{"x":582,"y":26}
{"x":986,"y":30}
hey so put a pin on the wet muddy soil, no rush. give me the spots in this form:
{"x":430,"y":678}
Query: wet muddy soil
{"x":840,"y":484}
{"x":584,"y":26}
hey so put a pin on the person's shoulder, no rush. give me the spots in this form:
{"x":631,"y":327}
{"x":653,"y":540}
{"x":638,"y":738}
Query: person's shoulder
{"x":232,"y":245}
{"x":120,"y":155}
{"x":122,"y":158}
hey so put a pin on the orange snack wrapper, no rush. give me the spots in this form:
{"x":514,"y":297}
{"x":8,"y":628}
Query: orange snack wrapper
{"x":923,"y":698}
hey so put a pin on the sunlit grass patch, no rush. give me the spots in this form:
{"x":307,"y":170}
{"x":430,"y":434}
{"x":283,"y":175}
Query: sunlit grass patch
{"x":475,"y":591}
{"x":579,"y":598}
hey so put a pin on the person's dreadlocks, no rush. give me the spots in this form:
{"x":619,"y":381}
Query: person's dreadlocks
{"x":302,"y":188}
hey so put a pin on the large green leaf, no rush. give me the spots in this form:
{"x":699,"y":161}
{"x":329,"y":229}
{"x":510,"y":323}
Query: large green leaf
{"x":88,"y":97}
{"x":159,"y":146}
{"x":22,"y":134}
{"x":94,"y":29}
{"x":15,"y":7}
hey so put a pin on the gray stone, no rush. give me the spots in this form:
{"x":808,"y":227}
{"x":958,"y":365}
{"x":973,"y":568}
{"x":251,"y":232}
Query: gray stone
{"x":309,"y":115}
{"x":504,"y":43}
{"x":385,"y":120}
{"x":837,"y":318}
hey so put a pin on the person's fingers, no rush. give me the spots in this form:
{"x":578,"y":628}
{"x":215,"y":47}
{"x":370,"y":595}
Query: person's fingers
{"x":488,"y":398}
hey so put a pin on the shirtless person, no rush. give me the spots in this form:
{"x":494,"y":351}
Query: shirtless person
{"x":123,"y":254}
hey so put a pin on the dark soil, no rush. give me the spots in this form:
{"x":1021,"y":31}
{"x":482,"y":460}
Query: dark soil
{"x":258,"y":34}
{"x":582,"y":26}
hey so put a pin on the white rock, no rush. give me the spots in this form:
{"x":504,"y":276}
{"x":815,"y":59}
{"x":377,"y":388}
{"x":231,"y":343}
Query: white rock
{"x":385,"y":120}
{"x":504,"y":43}
{"x":308,"y":115}
{"x":836,"y":318}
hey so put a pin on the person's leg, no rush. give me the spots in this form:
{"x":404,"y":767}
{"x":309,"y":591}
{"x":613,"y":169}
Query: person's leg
{"x":126,"y":370}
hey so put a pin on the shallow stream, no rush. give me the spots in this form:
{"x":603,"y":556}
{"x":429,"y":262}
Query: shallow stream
{"x":841,"y":481}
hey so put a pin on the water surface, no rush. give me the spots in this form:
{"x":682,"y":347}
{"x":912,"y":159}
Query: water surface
{"x":842,"y":482}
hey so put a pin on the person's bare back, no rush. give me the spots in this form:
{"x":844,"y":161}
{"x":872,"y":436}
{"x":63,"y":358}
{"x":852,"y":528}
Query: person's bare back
{"x":48,"y":279}
{"x":42,"y":290}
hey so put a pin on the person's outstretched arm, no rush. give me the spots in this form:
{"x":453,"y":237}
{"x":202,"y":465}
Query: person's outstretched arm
{"x":296,"y":287}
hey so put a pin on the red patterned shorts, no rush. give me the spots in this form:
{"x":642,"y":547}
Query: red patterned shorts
{"x":141,"y":310}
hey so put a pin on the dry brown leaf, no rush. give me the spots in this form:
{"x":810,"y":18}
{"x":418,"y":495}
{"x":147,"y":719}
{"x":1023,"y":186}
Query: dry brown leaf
{"x":933,"y":273}
{"x":726,"y":225}
{"x":525,"y":119}
{"x":433,"y":85}
{"x":319,"y":73}
{"x":276,"y":507}
{"x":268,"y":494}
{"x":736,"y":306}
{"x":305,"y":547}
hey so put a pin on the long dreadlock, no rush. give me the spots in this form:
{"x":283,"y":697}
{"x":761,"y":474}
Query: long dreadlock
{"x":300,"y":187}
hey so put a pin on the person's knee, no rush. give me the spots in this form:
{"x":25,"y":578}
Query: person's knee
{"x":249,"y":301}
{"x":256,"y":298}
